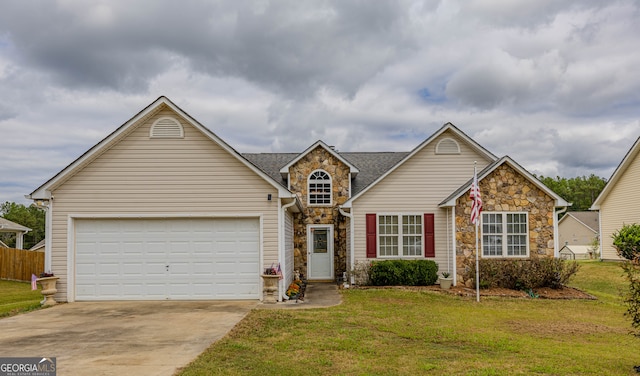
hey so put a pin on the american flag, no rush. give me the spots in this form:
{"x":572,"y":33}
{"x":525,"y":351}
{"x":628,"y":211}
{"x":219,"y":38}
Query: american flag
{"x":476,"y":207}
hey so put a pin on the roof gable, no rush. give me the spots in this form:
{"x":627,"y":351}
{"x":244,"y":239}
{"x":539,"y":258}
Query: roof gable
{"x":447,"y":127}
{"x":44,"y":191}
{"x":451,"y":200}
{"x":626,"y":162}
{"x":284,"y":171}
{"x":586,"y":219}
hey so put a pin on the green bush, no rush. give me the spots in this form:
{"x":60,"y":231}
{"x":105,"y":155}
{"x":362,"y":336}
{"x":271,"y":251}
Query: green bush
{"x":403,"y":273}
{"x":523,"y":274}
{"x":627,"y":241}
{"x":627,"y":244}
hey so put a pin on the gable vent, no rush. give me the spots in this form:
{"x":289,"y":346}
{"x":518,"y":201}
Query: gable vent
{"x":447,"y":146}
{"x":166,"y":127}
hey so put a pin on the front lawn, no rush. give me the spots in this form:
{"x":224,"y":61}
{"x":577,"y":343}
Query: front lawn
{"x":391,"y":332}
{"x":17,"y":297}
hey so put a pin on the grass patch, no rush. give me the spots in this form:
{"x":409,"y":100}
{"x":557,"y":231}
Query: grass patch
{"x":17,"y":297}
{"x":391,"y":332}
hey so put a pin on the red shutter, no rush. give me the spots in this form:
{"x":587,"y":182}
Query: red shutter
{"x":429,"y":236}
{"x":371,"y":236}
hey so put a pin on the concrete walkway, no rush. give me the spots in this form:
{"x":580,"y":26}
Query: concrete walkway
{"x":317,"y":295}
{"x":120,"y":338}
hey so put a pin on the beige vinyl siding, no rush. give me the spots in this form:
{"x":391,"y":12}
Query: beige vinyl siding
{"x":418,"y":186}
{"x":620,"y":207}
{"x":162,"y":176}
{"x":572,"y":232}
{"x":288,"y":247}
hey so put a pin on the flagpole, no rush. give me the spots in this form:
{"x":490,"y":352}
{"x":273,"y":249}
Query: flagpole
{"x":477,"y":257}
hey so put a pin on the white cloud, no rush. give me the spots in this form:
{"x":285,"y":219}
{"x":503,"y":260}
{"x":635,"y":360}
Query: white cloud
{"x":554,"y":84}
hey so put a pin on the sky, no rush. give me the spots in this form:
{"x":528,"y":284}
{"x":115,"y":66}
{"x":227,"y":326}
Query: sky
{"x":553,"y":84}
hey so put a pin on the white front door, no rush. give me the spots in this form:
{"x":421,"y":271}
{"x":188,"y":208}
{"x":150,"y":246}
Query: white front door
{"x":320,"y":251}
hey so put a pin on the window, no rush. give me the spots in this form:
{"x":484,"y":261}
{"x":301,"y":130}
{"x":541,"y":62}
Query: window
{"x":505,"y":235}
{"x":400,"y":235}
{"x":319,"y":188}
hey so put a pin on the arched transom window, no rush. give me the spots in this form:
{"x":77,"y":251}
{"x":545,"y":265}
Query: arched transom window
{"x":319,"y":188}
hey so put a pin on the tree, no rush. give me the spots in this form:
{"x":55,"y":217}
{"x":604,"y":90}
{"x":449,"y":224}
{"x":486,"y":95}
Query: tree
{"x":582,"y":191}
{"x":627,"y":244}
{"x":29,"y":216}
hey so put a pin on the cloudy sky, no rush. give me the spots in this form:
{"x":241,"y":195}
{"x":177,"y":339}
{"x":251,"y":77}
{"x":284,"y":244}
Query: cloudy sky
{"x":553,"y":84}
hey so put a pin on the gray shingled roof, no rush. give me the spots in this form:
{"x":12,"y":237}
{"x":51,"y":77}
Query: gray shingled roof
{"x":589,"y":218}
{"x":8,"y":226}
{"x":371,"y":165}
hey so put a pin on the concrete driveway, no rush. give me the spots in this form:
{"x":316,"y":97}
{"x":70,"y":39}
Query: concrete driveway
{"x":120,"y":338}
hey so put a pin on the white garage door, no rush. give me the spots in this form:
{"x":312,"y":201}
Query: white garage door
{"x":157,"y":259}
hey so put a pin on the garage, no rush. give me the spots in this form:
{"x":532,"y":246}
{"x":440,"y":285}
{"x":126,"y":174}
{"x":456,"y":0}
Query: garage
{"x":167,"y":258}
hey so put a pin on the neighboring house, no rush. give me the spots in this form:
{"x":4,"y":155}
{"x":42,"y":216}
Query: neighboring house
{"x":578,"y":228}
{"x":617,"y":203}
{"x":8,"y":226}
{"x":39,"y":247}
{"x":162,"y":208}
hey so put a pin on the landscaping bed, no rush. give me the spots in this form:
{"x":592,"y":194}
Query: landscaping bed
{"x":542,"y":293}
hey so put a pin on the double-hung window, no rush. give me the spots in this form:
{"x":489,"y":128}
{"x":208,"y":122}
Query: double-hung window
{"x":400,"y":235}
{"x":505,"y":234}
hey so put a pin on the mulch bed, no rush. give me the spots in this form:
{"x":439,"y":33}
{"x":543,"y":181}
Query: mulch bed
{"x":541,"y":293}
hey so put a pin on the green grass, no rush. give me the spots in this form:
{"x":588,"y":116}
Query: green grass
{"x":17,"y":297}
{"x":398,"y":332}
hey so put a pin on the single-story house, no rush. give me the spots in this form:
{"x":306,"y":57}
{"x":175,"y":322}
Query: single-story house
{"x":616,"y":203}
{"x":162,"y":208}
{"x":578,"y":228}
{"x":12,"y":227}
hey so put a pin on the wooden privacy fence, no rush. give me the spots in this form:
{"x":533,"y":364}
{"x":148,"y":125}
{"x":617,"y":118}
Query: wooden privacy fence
{"x":19,"y":264}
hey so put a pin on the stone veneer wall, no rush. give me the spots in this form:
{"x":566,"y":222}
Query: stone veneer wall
{"x":317,"y":159}
{"x":506,"y":190}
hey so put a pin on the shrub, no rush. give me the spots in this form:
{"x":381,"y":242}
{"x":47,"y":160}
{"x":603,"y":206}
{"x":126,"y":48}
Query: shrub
{"x":627,"y":241}
{"x":403,"y":273}
{"x":627,"y":244}
{"x":523,"y":274}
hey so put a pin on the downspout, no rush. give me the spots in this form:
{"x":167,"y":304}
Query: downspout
{"x":453,"y":245}
{"x":48,"y":237}
{"x":448,"y":242}
{"x":556,"y":250}
{"x":281,"y":249}
{"x":352,"y":257}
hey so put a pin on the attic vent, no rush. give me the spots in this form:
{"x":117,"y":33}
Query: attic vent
{"x":166,"y":127}
{"x":447,"y":146}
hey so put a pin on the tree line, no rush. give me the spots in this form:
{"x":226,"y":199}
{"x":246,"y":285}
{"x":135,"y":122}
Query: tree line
{"x":582,"y":191}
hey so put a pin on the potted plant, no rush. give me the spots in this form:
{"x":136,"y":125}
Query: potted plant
{"x":48,"y":283}
{"x":270,"y":280}
{"x":446,"y":280}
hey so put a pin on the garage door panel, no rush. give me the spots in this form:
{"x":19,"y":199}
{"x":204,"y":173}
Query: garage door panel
{"x":128,"y":259}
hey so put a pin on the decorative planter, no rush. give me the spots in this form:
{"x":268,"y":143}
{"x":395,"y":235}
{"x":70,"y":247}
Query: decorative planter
{"x":445,"y":283}
{"x":270,"y":288}
{"x":48,"y":289}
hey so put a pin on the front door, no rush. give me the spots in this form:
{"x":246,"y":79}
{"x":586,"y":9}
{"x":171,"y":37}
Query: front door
{"x":320,"y":251}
